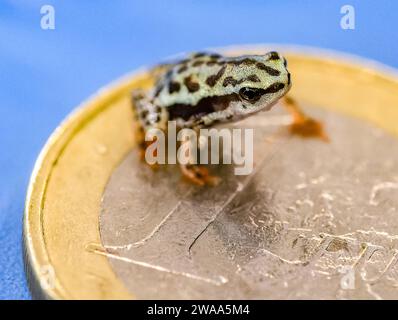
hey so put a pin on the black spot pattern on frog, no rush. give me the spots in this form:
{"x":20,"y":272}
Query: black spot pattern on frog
{"x":215,"y":56}
{"x":212,"y":63}
{"x":245,"y":61}
{"x":169,"y":74}
{"x":158,"y":89}
{"x":182,"y":68}
{"x":271,"y":71}
{"x":149,"y":119}
{"x":174,"y":87}
{"x":253,"y":78}
{"x":204,"y":106}
{"x":231,"y":81}
{"x":183,"y":62}
{"x":191,"y":85}
{"x":199,"y":54}
{"x":197,"y":63}
{"x":273,"y":55}
{"x":143,"y":114}
{"x":273,"y":88}
{"x":212,"y":80}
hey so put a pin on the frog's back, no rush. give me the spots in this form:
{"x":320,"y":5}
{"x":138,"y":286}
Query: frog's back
{"x":185,"y":81}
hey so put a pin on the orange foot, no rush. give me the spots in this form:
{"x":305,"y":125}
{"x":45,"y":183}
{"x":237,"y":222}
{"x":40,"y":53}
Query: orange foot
{"x":199,"y":175}
{"x":303,"y":125}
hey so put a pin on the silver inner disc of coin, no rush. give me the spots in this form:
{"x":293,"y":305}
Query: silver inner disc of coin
{"x":314,"y":220}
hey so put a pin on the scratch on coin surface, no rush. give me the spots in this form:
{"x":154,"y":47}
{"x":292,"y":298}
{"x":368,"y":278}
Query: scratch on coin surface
{"x":388,"y":267}
{"x":291,"y":262}
{"x":225,"y":204}
{"x":240,"y":187}
{"x":157,"y":228}
{"x":253,"y":222}
{"x":324,"y":273}
{"x":366,"y":253}
{"x":299,"y":229}
{"x":154,"y":230}
{"x":98,"y":249}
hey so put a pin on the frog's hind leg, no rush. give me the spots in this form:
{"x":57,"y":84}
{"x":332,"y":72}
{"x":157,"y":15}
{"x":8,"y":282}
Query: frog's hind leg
{"x":147,"y":116}
{"x":138,"y":107}
{"x":303,"y":125}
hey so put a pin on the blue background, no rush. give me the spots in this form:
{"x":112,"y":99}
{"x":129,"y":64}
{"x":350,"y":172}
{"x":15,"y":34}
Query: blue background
{"x":44,"y":74}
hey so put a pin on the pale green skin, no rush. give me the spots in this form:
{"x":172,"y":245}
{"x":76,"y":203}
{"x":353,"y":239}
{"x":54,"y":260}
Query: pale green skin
{"x":154,"y":109}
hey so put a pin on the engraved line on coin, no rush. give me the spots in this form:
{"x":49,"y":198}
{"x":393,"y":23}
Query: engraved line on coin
{"x":99,"y":249}
{"x":292,"y":262}
{"x":322,"y":247}
{"x":367,"y":251}
{"x":240,"y":188}
{"x":325,"y":241}
{"x":152,"y":233}
{"x":388,"y":267}
{"x":299,"y":229}
{"x":318,"y":252}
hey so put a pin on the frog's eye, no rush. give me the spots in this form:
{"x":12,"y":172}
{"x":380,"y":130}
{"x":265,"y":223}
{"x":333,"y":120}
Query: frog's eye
{"x":251,"y":94}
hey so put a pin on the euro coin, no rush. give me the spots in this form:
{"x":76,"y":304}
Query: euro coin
{"x":313,"y":219}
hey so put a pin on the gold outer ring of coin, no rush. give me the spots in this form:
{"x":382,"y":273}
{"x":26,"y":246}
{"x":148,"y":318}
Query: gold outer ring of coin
{"x":62,"y":208}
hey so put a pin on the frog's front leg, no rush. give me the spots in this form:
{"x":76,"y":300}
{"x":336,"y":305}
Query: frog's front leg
{"x":303,"y":125}
{"x":195,"y":173}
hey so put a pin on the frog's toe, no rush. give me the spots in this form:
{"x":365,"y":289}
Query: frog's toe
{"x":199,"y":175}
{"x":307,"y":127}
{"x":303,"y":125}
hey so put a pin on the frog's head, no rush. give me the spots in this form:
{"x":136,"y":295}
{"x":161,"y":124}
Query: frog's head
{"x":263,"y":79}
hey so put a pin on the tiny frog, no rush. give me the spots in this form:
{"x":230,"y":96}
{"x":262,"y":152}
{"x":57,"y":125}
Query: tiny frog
{"x":208,"y":88}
